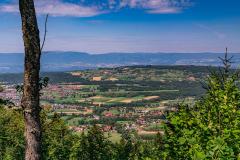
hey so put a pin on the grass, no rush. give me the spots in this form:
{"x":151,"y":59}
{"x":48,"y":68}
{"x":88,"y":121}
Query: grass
{"x":74,"y":121}
{"x":154,"y":127}
{"x":109,"y":100}
{"x":66,"y":110}
{"x":188,"y":100}
{"x":153,"y":91}
{"x":114,"y":137}
{"x":65,"y":117}
{"x":113,"y":111}
{"x":103,"y":97}
{"x":124,"y":122}
{"x":147,"y":136}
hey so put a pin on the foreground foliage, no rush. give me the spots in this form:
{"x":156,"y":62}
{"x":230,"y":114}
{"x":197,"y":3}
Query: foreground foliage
{"x":59,"y":143}
{"x":208,"y":130}
{"x":211,"y":128}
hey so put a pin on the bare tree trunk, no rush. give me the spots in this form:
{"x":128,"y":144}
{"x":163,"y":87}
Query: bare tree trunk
{"x":30,"y":99}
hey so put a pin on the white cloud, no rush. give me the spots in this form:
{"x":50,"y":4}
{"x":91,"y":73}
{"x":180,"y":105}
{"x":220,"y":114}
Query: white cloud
{"x":56,"y":8}
{"x":9,"y":8}
{"x":157,"y":6}
{"x":89,"y":8}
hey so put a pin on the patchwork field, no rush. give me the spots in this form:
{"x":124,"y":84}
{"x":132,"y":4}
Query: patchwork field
{"x":119,"y":99}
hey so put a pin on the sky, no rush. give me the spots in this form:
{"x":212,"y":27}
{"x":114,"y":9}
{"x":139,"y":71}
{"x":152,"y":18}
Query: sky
{"x":106,"y":26}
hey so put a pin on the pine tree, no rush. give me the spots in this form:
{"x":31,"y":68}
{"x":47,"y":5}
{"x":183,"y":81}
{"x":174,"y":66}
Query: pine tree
{"x":210,"y":129}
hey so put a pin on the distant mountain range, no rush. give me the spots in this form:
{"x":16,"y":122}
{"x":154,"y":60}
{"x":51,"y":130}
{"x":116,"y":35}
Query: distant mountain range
{"x":68,"y":61}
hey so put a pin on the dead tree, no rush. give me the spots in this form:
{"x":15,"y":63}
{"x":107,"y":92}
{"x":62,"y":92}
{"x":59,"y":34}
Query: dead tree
{"x":30,"y":98}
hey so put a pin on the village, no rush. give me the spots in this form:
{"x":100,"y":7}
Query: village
{"x":115,"y":119}
{"x":115,"y":100}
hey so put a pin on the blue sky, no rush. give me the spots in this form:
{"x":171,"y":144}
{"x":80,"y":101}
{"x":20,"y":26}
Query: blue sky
{"x":103,"y":26}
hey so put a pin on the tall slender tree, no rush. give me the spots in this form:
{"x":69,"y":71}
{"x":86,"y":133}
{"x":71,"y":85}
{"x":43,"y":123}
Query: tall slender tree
{"x":30,"y":99}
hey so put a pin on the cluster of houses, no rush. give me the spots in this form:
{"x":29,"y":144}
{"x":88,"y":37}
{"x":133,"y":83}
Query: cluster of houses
{"x":135,"y":120}
{"x":82,"y":128}
{"x":60,"y":91}
{"x":10,"y":93}
{"x":140,"y":118}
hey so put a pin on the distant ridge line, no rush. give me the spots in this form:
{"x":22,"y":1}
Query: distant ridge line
{"x":67,"y":61}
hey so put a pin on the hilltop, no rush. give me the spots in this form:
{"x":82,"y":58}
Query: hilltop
{"x":134,"y":73}
{"x":68,"y":61}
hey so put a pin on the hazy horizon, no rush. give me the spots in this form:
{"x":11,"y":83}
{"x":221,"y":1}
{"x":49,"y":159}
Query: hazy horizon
{"x":55,"y":51}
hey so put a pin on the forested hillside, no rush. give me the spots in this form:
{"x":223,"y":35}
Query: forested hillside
{"x":207,"y":130}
